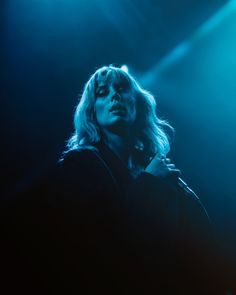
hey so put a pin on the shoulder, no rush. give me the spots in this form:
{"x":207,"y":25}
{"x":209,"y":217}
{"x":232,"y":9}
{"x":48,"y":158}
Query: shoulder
{"x":77,"y":156}
{"x":83,"y":163}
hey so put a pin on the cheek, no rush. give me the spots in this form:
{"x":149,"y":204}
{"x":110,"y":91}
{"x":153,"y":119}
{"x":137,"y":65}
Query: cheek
{"x":98,"y":107}
{"x":99,"y":110}
{"x":132,"y":108}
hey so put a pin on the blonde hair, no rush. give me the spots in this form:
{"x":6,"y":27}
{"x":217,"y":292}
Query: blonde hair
{"x":149,"y":132}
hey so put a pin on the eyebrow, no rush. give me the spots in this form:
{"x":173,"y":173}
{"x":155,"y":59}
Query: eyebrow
{"x":101,"y":87}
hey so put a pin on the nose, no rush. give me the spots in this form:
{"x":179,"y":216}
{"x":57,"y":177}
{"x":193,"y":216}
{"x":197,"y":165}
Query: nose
{"x":115,"y":96}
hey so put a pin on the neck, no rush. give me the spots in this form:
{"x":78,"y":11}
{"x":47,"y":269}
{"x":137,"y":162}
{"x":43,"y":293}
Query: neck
{"x":120,"y":145}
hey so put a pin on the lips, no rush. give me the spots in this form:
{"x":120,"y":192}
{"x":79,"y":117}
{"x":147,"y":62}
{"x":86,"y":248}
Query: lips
{"x":117,"y":108}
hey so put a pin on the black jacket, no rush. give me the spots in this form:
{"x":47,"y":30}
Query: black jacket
{"x":90,"y":227}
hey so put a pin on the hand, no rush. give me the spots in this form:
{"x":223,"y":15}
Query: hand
{"x":161,"y":166}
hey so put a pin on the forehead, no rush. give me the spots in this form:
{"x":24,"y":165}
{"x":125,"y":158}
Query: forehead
{"x":107,"y":76}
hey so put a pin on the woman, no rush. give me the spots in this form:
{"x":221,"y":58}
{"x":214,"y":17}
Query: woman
{"x":149,"y":229}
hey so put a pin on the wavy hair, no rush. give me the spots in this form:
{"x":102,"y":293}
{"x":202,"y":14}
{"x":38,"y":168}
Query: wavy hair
{"x":149,"y":131}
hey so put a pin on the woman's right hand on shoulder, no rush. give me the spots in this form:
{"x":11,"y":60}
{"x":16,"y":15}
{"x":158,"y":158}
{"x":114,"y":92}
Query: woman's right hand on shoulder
{"x":161,"y":166}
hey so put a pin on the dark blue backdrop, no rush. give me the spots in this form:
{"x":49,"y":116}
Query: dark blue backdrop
{"x":182,"y":51}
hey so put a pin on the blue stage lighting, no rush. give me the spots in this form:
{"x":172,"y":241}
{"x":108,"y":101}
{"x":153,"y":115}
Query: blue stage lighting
{"x":125,"y":68}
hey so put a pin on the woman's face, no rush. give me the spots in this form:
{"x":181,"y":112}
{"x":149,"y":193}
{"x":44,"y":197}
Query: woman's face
{"x":115,"y":106}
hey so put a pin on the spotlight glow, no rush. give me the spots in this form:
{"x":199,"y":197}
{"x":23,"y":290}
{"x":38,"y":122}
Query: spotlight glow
{"x":125,"y":68}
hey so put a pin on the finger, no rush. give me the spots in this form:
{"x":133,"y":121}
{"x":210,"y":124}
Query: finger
{"x":168,"y":161}
{"x":161,"y":161}
{"x":171,"y":166}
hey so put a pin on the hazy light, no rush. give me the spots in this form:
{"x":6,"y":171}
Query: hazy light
{"x":216,"y":19}
{"x":183,"y":48}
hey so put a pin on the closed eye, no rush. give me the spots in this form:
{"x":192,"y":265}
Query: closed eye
{"x":102,"y":91}
{"x":121,"y":87}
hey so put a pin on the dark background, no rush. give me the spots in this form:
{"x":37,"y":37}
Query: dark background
{"x":183,"y":51}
